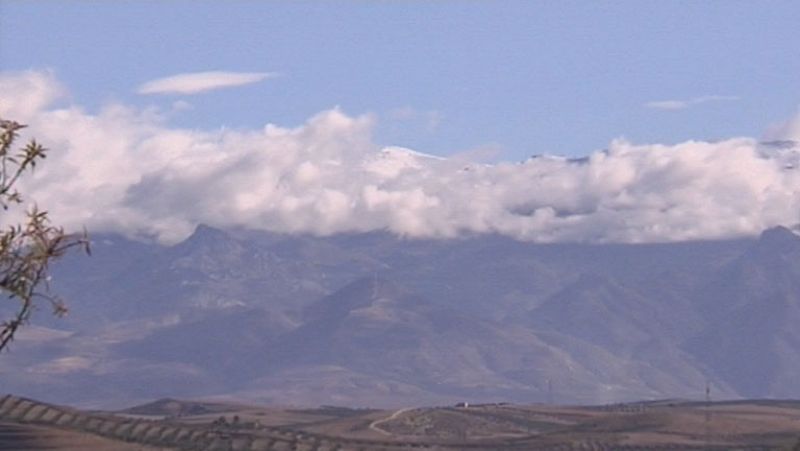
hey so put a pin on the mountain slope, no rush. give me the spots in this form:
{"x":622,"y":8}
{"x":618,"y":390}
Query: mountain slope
{"x":752,"y":310}
{"x":371,"y":317}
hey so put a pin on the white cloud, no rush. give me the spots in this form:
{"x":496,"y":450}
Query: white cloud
{"x":785,"y":131}
{"x":197,"y":82}
{"x":429,"y":120}
{"x":687,"y":103}
{"x":41,"y":89}
{"x":124,"y":170}
{"x":63,"y":365}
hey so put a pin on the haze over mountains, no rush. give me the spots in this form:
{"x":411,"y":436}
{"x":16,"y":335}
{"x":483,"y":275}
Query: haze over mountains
{"x":372,"y":319}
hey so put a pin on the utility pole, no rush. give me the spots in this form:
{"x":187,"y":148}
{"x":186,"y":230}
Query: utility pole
{"x":708,"y":415}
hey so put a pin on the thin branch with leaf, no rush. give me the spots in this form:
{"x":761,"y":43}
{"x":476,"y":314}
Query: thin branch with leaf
{"x":28,"y":249}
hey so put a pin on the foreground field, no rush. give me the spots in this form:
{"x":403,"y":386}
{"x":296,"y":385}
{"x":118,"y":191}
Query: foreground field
{"x":184,"y":425}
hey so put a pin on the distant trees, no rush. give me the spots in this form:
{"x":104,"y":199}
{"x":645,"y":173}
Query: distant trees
{"x":28,"y":248}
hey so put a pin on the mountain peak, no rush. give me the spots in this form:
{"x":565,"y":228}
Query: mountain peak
{"x":207,"y":238}
{"x":207,"y":235}
{"x":777,"y":237}
{"x":775,"y":248}
{"x":203,"y":231}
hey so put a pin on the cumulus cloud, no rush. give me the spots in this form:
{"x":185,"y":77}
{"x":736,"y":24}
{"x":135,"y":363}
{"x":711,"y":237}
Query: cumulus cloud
{"x":197,"y":82}
{"x":686,"y":103}
{"x":40,"y":89}
{"x":125,"y":170}
{"x":785,"y":131}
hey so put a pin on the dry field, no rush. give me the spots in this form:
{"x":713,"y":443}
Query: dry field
{"x":16,"y":436}
{"x":184,"y":425}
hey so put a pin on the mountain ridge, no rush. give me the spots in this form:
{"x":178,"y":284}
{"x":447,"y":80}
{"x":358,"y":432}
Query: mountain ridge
{"x":363,"y":318}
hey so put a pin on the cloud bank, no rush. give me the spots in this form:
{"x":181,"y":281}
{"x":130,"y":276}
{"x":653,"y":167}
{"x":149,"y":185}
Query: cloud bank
{"x":126,"y":170}
{"x":197,"y":82}
{"x":785,"y":131}
{"x":686,"y":103}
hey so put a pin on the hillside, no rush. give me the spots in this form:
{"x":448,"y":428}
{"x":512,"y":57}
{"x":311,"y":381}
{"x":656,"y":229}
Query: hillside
{"x":376,"y":320}
{"x":667,"y":424}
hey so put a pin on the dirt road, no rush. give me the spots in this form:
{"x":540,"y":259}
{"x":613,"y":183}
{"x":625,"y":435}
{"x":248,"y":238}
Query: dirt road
{"x":374,"y":425}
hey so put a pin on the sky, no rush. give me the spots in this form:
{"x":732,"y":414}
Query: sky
{"x":416,"y":117}
{"x":518,"y":77}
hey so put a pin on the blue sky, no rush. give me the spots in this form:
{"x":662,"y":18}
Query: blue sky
{"x":157,"y":115}
{"x":444,"y":77}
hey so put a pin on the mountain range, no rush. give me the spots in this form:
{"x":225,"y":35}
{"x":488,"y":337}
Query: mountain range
{"x":379,"y":320}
